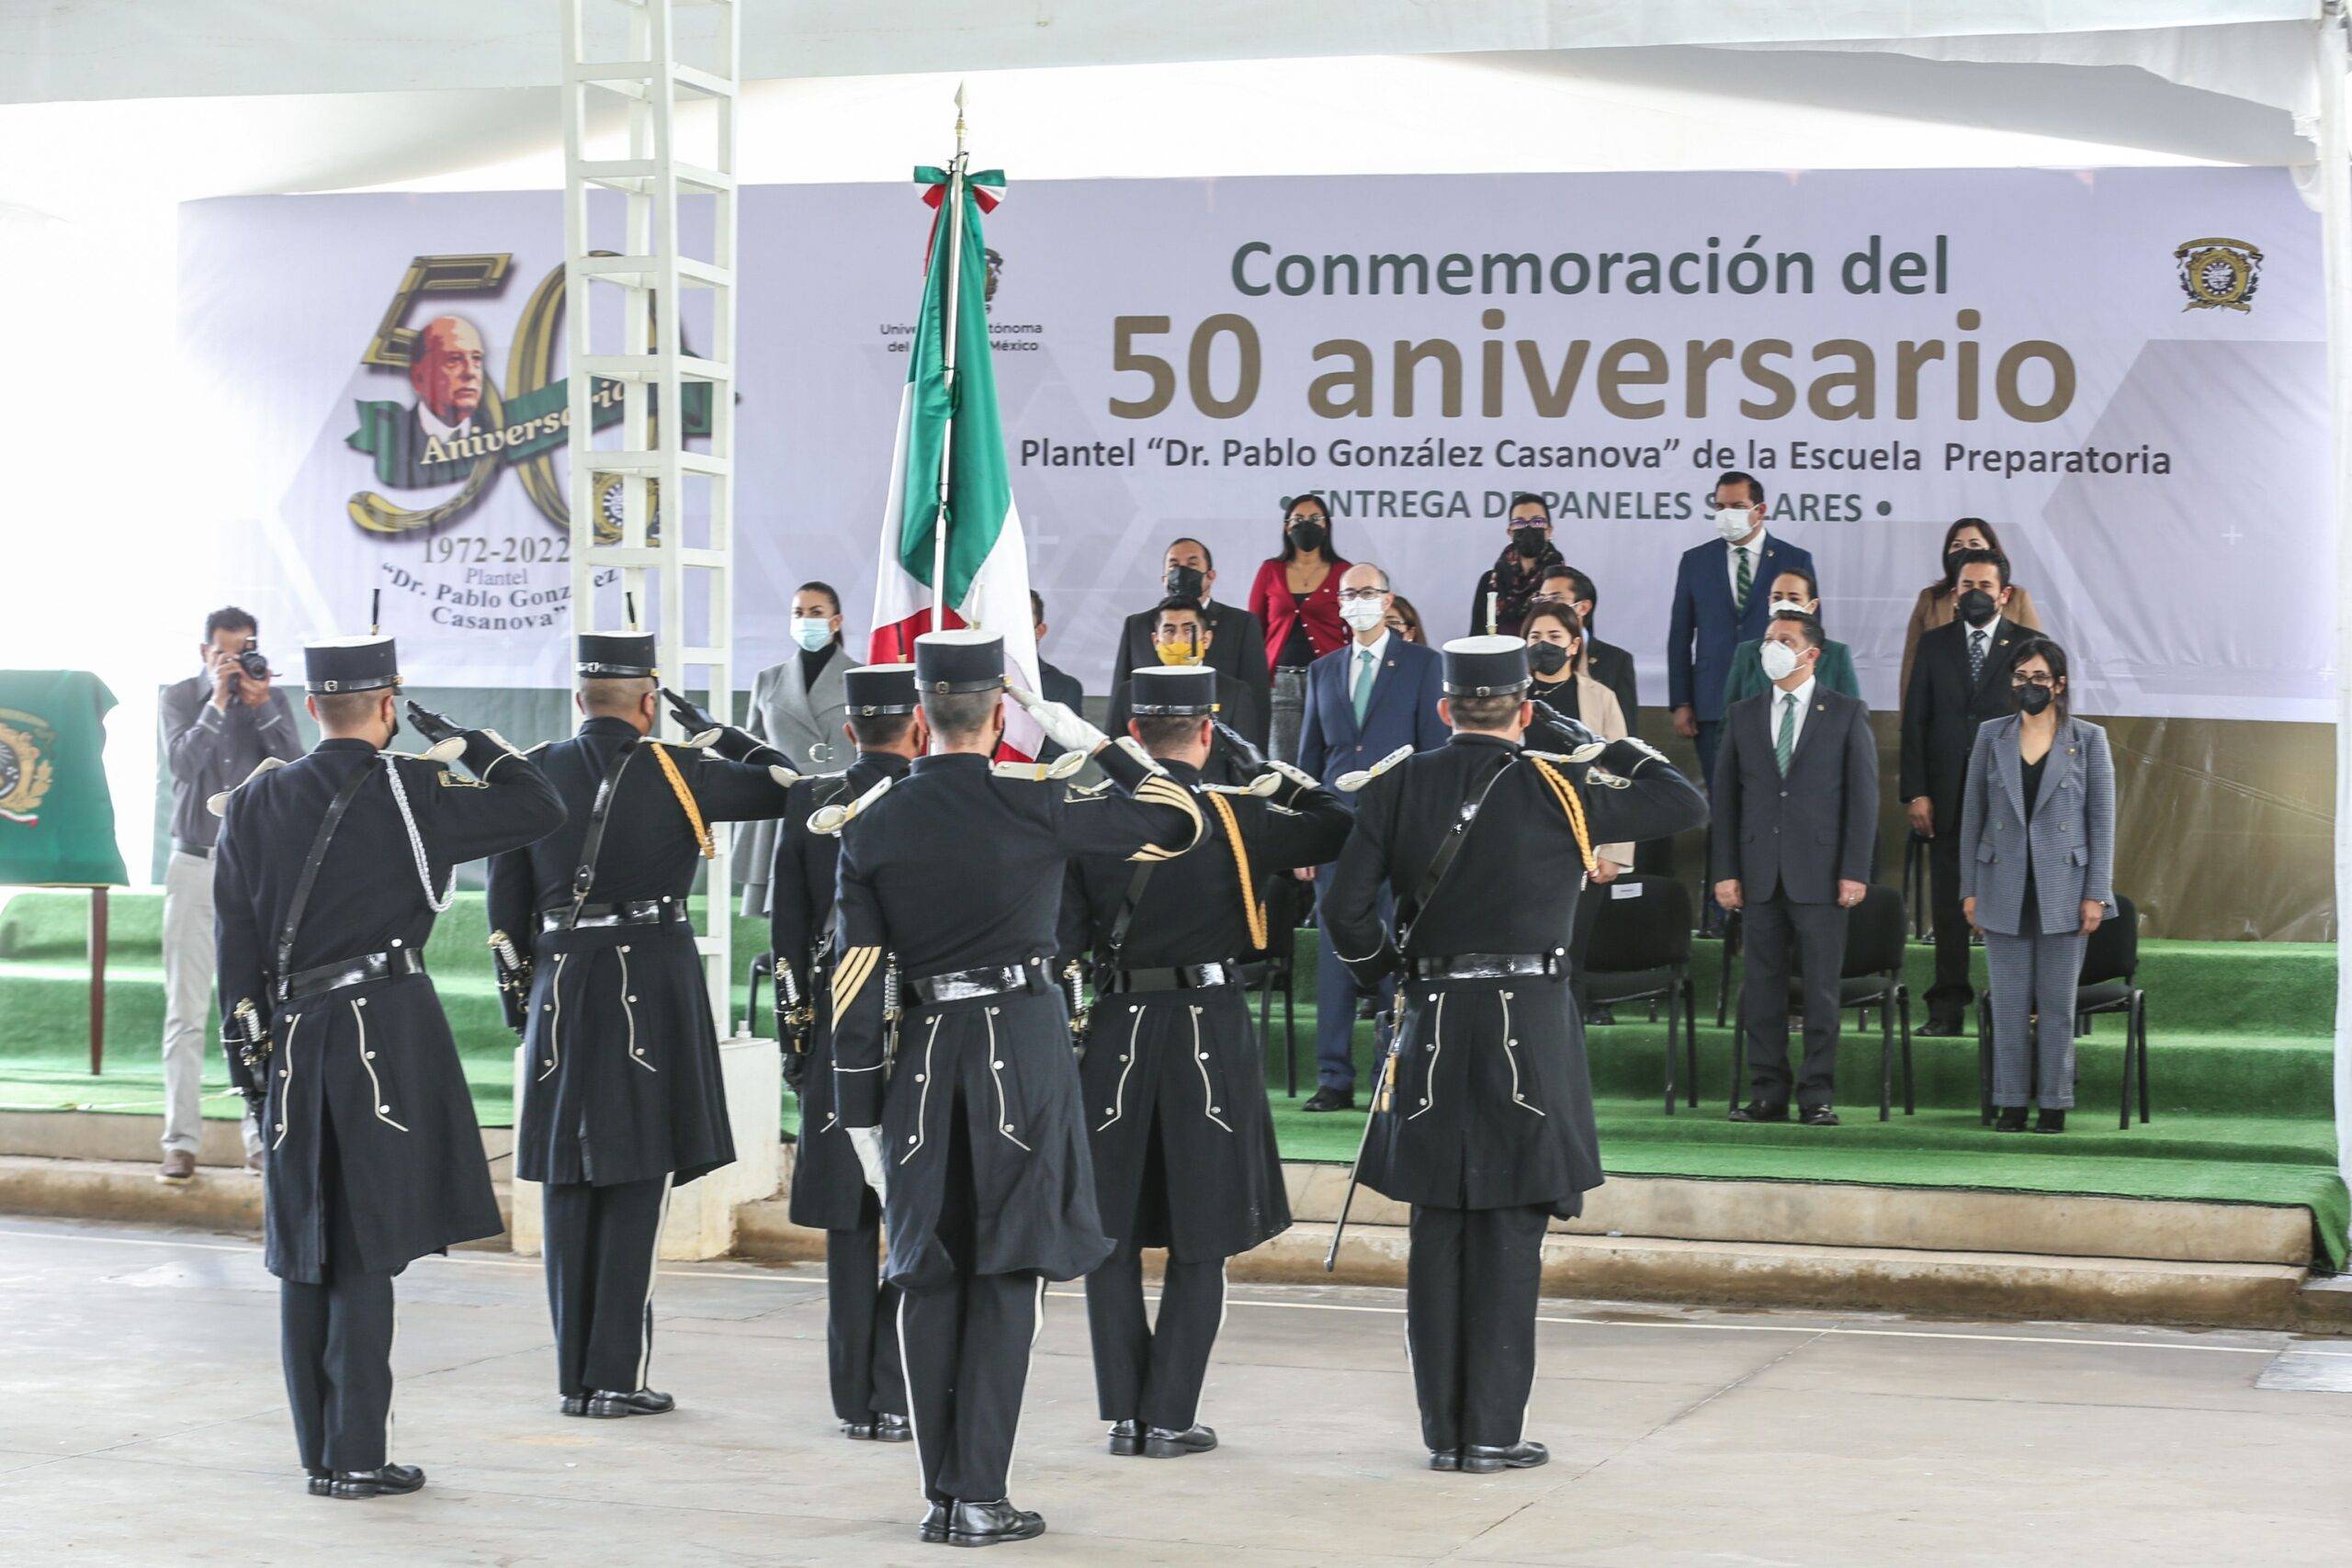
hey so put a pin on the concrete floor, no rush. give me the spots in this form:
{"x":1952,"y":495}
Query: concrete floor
{"x":142,"y":1424}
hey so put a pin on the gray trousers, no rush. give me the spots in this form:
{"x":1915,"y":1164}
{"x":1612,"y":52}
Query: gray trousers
{"x":2026,"y":976}
{"x":1775,"y":930}
{"x":1288,"y":704}
{"x":187,"y":1001}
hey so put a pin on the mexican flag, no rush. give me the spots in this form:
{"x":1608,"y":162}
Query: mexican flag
{"x":988,"y":559}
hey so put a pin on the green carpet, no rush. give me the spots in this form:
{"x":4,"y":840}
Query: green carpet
{"x":2241,"y":1040}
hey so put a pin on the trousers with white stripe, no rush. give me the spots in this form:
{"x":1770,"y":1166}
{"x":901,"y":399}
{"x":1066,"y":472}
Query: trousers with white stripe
{"x":600,"y":1244}
{"x":334,"y":1342}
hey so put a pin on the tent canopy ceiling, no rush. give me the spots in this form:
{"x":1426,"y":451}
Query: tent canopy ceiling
{"x":128,"y":48}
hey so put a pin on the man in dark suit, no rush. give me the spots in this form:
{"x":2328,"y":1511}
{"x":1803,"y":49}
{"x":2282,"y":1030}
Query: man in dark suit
{"x":1721,"y":594}
{"x":1959,"y":679}
{"x":1610,"y":665}
{"x":1238,"y":638}
{"x":1794,"y":813}
{"x":1376,"y":695}
{"x":1053,"y":683}
{"x":1183,"y":636}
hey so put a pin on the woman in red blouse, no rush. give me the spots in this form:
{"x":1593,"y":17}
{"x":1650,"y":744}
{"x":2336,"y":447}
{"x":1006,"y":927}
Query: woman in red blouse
{"x":1297,"y":597}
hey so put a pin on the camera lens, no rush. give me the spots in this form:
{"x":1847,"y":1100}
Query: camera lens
{"x":254,"y":663}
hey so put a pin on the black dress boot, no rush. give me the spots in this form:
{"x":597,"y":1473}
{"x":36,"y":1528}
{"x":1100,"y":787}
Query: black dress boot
{"x":888,"y":1428}
{"x":1160,"y":1442}
{"x":1445,"y":1459}
{"x":607,"y":1404}
{"x":2049,"y":1121}
{"x":320,"y":1482}
{"x":384,"y":1481}
{"x":2011,"y":1120}
{"x":573,"y":1404}
{"x":935,"y":1523}
{"x":992,"y":1524}
{"x":1127,"y":1439}
{"x":858,"y":1431}
{"x":1482,"y":1460}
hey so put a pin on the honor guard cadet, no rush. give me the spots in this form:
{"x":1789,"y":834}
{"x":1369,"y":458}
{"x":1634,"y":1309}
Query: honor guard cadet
{"x":975,"y":1142}
{"x":327,"y":876}
{"x":1173,"y":1088}
{"x":1482,"y":1118}
{"x":622,"y":1095}
{"x":829,"y":1191}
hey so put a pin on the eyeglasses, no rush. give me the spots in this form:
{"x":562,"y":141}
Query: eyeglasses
{"x":1361,"y":595}
{"x":2044,"y":681}
{"x":1315,"y":517}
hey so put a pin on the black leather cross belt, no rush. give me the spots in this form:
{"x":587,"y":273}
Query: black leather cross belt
{"x":350,"y":972}
{"x":1183,"y":978}
{"x":968,"y":984}
{"x":1487,"y":966}
{"x":641,"y":912}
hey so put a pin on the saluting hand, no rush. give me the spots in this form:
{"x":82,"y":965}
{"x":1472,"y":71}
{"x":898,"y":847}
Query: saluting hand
{"x":694,"y":720}
{"x":435,"y":726}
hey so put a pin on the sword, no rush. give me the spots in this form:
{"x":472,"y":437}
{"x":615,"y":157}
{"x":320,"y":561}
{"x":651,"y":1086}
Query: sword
{"x":1381,"y":1097}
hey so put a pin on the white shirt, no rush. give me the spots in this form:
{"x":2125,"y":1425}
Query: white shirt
{"x":1804,"y":696}
{"x":433,"y":424}
{"x":1990,"y":631}
{"x":1754,"y":551}
{"x":1377,"y":647}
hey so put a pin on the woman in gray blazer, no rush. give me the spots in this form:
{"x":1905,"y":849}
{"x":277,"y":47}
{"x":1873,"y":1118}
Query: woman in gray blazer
{"x":797,"y":707}
{"x":2037,"y":867}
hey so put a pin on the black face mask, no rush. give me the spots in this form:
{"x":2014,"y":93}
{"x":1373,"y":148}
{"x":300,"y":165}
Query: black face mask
{"x":1528,"y":541}
{"x":1308,"y":536}
{"x":1546,"y":659}
{"x":1976,"y":608}
{"x":1185,"y":583}
{"x":2031,"y":699}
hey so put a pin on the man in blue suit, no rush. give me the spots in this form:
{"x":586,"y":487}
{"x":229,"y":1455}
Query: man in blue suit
{"x":1722,"y":598}
{"x":1363,"y":701}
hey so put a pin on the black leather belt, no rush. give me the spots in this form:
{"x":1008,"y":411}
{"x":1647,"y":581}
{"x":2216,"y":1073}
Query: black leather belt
{"x":181,"y":847}
{"x":350,"y":972}
{"x":1487,"y":966}
{"x":1183,"y":978}
{"x":970,"y":985}
{"x":641,"y":912}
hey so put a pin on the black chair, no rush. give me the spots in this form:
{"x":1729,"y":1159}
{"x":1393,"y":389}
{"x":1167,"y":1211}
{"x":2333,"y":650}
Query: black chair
{"x":1640,"y":951}
{"x":1915,"y":885}
{"x":2108,"y":983}
{"x":1277,"y":968}
{"x":762,"y":968}
{"x":1870,"y":977}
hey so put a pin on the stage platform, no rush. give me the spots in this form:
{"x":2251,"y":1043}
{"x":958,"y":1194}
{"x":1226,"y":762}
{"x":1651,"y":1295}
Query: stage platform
{"x":2240,"y":1048}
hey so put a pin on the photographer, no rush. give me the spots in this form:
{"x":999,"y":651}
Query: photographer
{"x":217,"y":727}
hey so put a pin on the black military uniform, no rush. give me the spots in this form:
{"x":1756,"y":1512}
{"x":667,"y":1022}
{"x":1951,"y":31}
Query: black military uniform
{"x":326,"y":879}
{"x":1483,"y":1117}
{"x":623,"y":1098}
{"x":956,"y":875}
{"x":829,"y":1191}
{"x":1174,"y":1086}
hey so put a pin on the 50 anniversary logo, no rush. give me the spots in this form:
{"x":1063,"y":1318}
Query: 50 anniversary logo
{"x":463,"y":427}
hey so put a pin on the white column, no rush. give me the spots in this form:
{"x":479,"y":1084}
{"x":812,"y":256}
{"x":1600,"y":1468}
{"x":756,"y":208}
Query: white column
{"x":2335,"y":238}
{"x":649,"y":475}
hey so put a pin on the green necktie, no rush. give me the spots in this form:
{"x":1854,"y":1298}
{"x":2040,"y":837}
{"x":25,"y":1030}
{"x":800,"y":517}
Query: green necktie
{"x":1745,"y":574}
{"x":1361,"y":695}
{"x":1786,"y":741}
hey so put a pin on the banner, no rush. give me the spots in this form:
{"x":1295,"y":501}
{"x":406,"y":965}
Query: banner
{"x":2122,"y":370}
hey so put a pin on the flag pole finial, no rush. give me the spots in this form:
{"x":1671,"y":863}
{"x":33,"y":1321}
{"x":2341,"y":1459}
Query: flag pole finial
{"x":959,"y":117}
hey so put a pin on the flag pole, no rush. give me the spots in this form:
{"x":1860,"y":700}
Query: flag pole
{"x":955,"y":170}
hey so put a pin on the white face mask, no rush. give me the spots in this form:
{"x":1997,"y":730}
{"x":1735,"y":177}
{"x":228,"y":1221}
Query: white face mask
{"x":1734,"y":523}
{"x":1790,"y":607}
{"x":1362,"y":613}
{"x":811,"y":632}
{"x":1780,"y":662}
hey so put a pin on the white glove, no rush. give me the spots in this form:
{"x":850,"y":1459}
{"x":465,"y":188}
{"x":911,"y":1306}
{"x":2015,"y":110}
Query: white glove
{"x":1062,"y":727}
{"x":868,"y":1142}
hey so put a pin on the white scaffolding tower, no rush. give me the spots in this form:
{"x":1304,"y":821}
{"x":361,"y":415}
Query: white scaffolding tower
{"x":650,"y":518}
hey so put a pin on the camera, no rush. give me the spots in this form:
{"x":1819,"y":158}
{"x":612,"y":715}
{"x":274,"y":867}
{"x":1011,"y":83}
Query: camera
{"x":252,"y":662}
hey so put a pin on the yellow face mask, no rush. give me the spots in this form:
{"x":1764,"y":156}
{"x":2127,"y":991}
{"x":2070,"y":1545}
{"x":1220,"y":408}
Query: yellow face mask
{"x":1182,"y":653}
